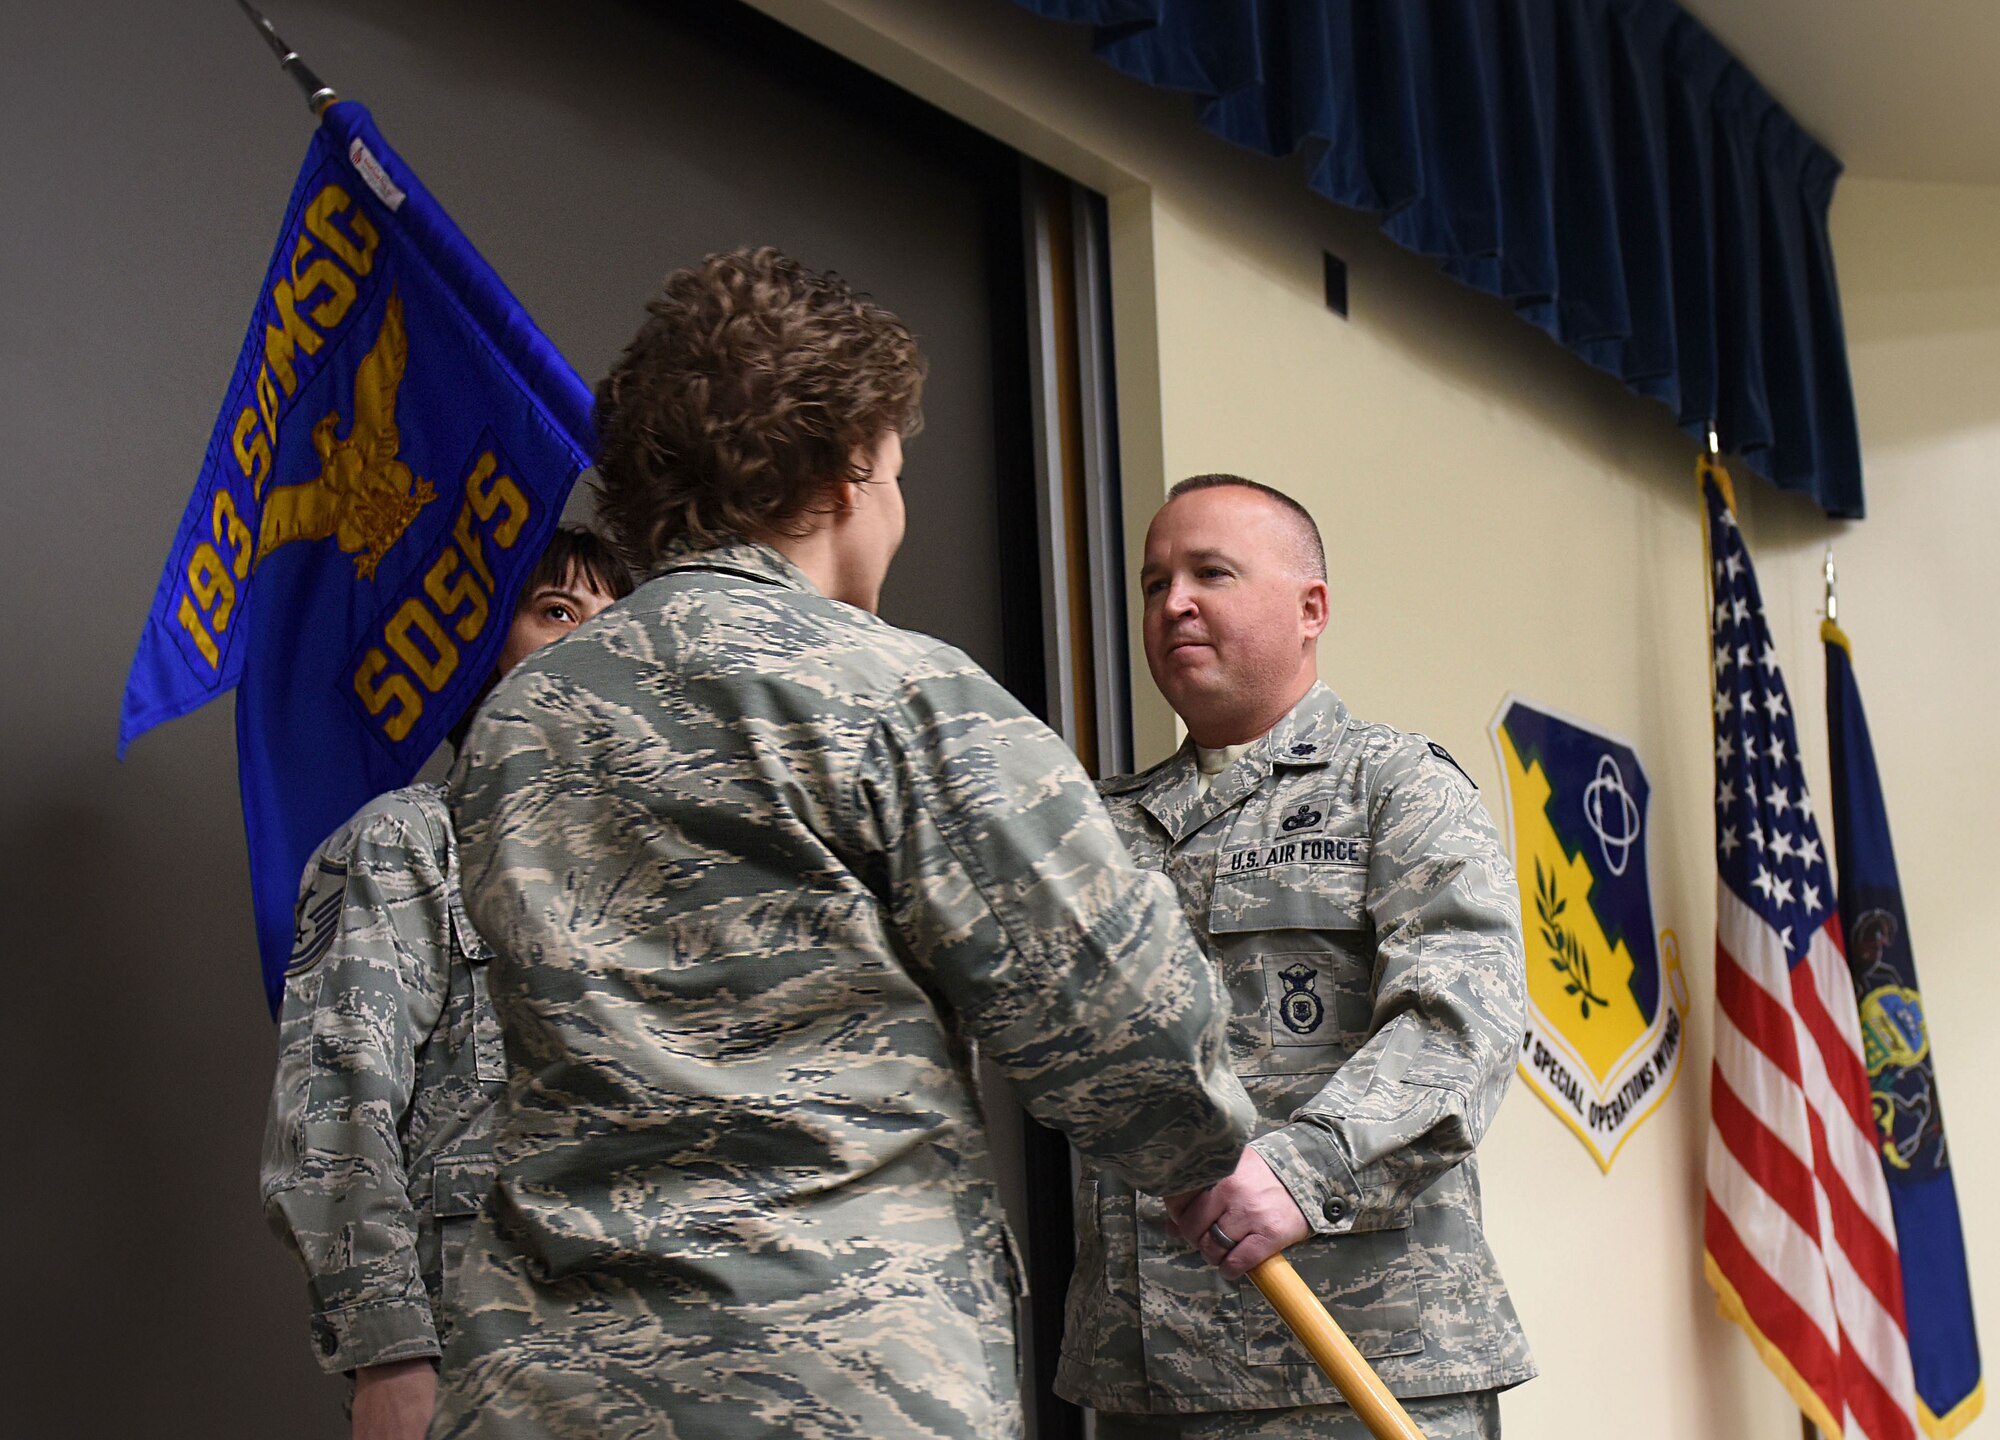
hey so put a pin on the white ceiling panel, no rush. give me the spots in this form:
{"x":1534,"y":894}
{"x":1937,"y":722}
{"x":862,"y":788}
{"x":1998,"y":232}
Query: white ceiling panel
{"x":1898,"y":89}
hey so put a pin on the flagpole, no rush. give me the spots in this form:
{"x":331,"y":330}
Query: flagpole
{"x":1328,"y":1344}
{"x":1832,"y":600}
{"x":318,"y":93}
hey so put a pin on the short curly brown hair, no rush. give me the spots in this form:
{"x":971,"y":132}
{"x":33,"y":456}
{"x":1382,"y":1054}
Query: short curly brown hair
{"x":742,"y":399}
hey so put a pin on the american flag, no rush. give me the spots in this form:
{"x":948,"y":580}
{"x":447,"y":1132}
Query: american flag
{"x":1801,"y":1242}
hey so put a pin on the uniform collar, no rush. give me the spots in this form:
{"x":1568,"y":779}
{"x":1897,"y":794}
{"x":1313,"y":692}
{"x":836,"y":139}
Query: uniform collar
{"x":1307,"y":736}
{"x":751,"y":559}
{"x":1310,"y":732}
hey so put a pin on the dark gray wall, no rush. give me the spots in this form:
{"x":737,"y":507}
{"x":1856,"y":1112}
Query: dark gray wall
{"x":149,"y":146}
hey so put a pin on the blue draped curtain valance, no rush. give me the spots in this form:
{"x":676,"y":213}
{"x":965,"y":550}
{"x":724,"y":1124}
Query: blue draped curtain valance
{"x":1604,"y":165}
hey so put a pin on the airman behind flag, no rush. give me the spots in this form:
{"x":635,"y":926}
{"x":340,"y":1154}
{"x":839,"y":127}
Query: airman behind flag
{"x":1902,"y":1079}
{"x":393,"y":451}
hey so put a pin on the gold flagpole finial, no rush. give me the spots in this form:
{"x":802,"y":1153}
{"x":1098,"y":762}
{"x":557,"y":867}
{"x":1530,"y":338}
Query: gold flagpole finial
{"x":319,"y":94}
{"x":1710,"y":467}
{"x":1832,"y":600}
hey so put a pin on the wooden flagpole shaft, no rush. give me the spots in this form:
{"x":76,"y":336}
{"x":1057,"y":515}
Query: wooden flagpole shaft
{"x":1356,"y":1380}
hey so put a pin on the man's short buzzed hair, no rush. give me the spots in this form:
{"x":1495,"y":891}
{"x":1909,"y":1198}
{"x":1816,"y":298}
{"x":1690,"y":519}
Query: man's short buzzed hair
{"x":1312,"y":550}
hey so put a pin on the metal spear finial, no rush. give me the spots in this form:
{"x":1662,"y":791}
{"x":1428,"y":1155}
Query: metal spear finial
{"x":1832,"y":600}
{"x":319,"y":94}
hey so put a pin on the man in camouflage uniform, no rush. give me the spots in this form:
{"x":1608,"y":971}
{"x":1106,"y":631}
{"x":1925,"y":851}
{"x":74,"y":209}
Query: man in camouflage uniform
{"x":377,"y":1153}
{"x":760,"y":871}
{"x":1351,"y":892}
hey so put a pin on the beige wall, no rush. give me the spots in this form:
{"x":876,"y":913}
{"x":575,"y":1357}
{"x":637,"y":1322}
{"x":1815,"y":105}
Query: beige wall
{"x":1501,"y":518}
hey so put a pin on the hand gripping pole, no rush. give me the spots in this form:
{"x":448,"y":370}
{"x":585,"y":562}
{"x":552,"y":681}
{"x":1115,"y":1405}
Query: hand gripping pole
{"x":1356,"y":1380}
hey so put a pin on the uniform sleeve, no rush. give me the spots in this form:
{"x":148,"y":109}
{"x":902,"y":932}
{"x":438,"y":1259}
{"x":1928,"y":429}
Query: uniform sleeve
{"x":368,"y":979}
{"x":1019,"y":907}
{"x":1450,"y":1006}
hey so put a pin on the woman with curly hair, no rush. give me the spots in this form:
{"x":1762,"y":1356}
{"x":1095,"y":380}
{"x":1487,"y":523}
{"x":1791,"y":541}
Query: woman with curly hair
{"x":760,"y":871}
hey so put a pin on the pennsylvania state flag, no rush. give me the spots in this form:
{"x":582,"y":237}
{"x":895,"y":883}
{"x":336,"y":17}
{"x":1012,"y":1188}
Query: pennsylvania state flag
{"x":1937,"y":1294}
{"x":392,"y":454}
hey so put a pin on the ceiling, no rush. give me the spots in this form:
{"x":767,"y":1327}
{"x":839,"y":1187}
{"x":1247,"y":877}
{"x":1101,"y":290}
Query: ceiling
{"x":1898,"y":89}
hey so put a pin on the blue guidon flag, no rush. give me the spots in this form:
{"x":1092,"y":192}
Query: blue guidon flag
{"x":1896,"y":1045}
{"x":393,"y":452}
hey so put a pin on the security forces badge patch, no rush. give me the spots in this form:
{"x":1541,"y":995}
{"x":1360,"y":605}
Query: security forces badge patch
{"x":1606,"y":1001}
{"x":1301,"y":1009}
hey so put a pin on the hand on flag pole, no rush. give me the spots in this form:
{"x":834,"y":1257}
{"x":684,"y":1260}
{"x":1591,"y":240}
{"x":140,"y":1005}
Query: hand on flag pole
{"x":1241,"y":1226}
{"x":1241,"y":1222}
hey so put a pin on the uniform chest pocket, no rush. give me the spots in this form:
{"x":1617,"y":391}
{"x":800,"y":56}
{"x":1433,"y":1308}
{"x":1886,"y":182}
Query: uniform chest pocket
{"x":1319,"y":883}
{"x":1297,"y":949}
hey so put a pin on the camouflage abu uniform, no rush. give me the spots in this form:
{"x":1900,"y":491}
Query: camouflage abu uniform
{"x":1351,"y":891}
{"x":377,"y":1153}
{"x":758,"y":870}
